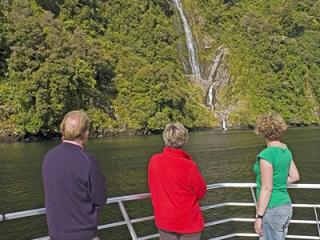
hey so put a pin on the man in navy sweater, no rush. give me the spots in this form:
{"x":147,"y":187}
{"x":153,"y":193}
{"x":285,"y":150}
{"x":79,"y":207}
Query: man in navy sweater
{"x":74,"y":186}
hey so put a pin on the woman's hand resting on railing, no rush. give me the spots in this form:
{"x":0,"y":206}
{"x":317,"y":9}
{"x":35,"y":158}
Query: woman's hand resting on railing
{"x":293,"y":173}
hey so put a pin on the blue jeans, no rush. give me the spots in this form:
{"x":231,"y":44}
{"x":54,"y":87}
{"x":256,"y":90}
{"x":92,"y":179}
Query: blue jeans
{"x":276,"y":222}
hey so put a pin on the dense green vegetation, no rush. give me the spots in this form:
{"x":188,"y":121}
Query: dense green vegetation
{"x":115,"y":59}
{"x":119,"y":60}
{"x":274,"y":54}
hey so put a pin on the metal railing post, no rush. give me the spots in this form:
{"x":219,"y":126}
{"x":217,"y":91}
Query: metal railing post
{"x":255,"y":202}
{"x":254,"y":197}
{"x":127,"y":220}
{"x":317,"y":219}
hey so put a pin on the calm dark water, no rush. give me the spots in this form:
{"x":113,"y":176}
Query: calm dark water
{"x":222,"y":157}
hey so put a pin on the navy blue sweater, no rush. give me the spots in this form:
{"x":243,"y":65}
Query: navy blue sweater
{"x":74,"y":191}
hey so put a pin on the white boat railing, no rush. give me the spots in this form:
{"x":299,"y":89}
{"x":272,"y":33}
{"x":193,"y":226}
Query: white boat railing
{"x":129,"y":222}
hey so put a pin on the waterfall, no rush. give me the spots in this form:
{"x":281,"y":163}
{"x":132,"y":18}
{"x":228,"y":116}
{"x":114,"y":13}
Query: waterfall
{"x":218,"y":73}
{"x":223,"y":116}
{"x":210,"y":96}
{"x":224,"y":124}
{"x":217,"y":76}
{"x":195,"y":67}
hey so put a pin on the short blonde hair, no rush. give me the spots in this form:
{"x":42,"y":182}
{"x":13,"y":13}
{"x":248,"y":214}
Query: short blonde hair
{"x":175,"y":135}
{"x":74,"y":125}
{"x":271,"y":126}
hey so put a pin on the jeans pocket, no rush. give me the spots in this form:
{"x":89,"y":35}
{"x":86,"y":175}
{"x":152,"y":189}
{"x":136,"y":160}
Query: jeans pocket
{"x":279,"y":217}
{"x":280,"y":222}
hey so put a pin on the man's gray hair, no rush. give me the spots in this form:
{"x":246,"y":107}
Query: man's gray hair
{"x":74,"y":125}
{"x":175,"y":135}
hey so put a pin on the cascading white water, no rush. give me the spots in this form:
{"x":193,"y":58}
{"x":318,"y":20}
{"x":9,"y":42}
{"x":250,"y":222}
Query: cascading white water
{"x":224,"y":124}
{"x":223,"y":116}
{"x":210,"y":96}
{"x":195,"y":67}
{"x":218,"y":75}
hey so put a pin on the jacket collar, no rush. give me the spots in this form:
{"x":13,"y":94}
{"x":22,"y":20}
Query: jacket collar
{"x":177,"y":151}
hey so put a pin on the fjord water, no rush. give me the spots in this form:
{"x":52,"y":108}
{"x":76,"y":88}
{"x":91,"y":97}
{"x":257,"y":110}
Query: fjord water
{"x":222,"y":157}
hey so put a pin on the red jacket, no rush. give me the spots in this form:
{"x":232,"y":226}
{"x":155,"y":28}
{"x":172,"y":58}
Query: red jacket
{"x":176,"y":186}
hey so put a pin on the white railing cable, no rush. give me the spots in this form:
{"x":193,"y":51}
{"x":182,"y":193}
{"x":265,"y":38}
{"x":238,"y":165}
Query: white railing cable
{"x":43,"y":238}
{"x":227,"y":220}
{"x":153,"y":236}
{"x":10,"y":216}
{"x":256,"y":235}
{"x":128,"y":222}
{"x":27,"y":213}
{"x":235,"y":235}
{"x":228,"y":204}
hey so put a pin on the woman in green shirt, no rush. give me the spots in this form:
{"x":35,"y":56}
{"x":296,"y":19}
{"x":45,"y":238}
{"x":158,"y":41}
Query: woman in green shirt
{"x":275,"y":169}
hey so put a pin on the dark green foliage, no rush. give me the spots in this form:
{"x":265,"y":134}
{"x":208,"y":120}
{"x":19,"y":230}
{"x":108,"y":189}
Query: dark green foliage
{"x":119,"y":61}
{"x":51,"y":70}
{"x":115,"y":59}
{"x":151,"y":89}
{"x":4,"y":48}
{"x":51,"y":5}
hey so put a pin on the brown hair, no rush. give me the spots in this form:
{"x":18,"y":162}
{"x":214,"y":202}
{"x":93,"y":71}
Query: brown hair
{"x":270,"y":125}
{"x":175,"y":135}
{"x":74,"y":125}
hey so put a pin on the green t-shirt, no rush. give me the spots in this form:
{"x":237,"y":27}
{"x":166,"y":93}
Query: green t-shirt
{"x":280,"y":159}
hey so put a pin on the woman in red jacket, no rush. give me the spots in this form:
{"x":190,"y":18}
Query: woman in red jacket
{"x":176,"y":186}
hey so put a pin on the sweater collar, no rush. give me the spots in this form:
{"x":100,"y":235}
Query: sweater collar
{"x":177,"y":151}
{"x":73,"y":142}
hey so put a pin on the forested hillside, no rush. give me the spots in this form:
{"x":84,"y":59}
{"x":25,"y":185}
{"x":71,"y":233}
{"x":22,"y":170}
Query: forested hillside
{"x":274,"y":54}
{"x":122,"y":62}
